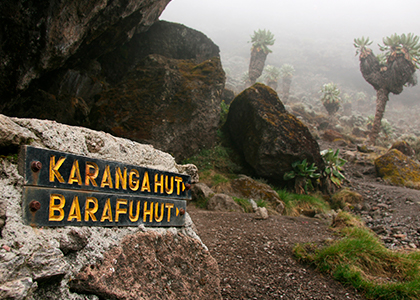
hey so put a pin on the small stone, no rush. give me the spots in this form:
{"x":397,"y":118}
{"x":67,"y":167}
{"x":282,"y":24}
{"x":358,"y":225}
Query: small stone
{"x":261,"y":213}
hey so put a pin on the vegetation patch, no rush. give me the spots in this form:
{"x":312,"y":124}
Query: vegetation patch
{"x":246,"y":205}
{"x":344,"y":198}
{"x":295,"y":204}
{"x":360,"y":259}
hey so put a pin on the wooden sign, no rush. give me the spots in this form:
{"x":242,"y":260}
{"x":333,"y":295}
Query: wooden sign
{"x":63,"y":189}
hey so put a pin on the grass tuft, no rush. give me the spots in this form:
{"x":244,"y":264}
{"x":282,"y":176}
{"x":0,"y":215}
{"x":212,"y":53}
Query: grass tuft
{"x":246,"y":205}
{"x":295,"y":204}
{"x":360,"y":259}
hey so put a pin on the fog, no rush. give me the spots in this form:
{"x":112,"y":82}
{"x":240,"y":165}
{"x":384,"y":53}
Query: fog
{"x":314,"y":36}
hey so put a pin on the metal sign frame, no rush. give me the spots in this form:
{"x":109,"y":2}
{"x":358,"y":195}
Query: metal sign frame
{"x":63,"y":189}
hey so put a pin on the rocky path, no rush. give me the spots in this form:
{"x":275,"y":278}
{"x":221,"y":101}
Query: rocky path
{"x":255,"y":256}
{"x":392,"y":212}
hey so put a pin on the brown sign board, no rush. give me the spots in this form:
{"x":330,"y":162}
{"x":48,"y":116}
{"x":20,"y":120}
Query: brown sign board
{"x":63,"y":189}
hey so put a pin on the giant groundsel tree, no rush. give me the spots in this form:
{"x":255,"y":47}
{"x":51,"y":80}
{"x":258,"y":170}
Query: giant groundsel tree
{"x":390,"y":71}
{"x":259,"y":51}
{"x":287,"y":71}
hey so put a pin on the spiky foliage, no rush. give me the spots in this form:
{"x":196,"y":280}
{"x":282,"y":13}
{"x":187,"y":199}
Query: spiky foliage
{"x":271,"y":73}
{"x":259,"y":51}
{"x":390,"y":71}
{"x":403,"y":45}
{"x":261,"y":40}
{"x":287,"y":71}
{"x":330,"y":97}
{"x":361,"y":45}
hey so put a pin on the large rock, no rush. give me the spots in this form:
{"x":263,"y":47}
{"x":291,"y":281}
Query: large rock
{"x":171,"y":104}
{"x":37,"y":36}
{"x":269,"y":138}
{"x":39,"y":263}
{"x":152,"y":266}
{"x":162,"y":87}
{"x":398,"y":169}
{"x":171,"y":40}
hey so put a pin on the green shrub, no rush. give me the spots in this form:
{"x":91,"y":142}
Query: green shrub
{"x":333,"y":166}
{"x":303,"y":172}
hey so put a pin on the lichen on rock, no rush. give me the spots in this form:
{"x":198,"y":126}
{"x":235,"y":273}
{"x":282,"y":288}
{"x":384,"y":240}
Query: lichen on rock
{"x":40,"y":262}
{"x":398,"y":169}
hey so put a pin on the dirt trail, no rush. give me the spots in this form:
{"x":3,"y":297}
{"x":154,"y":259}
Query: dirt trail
{"x":255,"y":256}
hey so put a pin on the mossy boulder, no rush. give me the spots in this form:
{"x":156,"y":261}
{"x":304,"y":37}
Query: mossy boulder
{"x":269,"y":138}
{"x":246,"y":187}
{"x":398,"y":169}
{"x":403,"y":147}
{"x":172,"y":104}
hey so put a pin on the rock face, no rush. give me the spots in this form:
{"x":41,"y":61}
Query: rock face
{"x":172,"y":104}
{"x":398,"y":169}
{"x":167,"y":39}
{"x":40,"y":263}
{"x":269,"y":138}
{"x":162,"y":87}
{"x":38,"y":37}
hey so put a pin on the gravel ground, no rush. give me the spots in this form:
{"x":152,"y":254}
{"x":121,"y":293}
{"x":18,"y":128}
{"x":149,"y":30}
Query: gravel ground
{"x":255,"y":256}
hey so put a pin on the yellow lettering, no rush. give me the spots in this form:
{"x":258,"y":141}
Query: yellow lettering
{"x":119,"y":177}
{"x":167,"y":189}
{"x":90,"y":177}
{"x":162,"y":211}
{"x":75,"y":210}
{"x":169,"y":206}
{"x":145,"y":185}
{"x":75,"y":173}
{"x":107,"y":213}
{"x":134,"y":183}
{"x":106,"y":178}
{"x":119,"y":210}
{"x":159,"y":183}
{"x":148,"y":212}
{"x":56,"y":207}
{"x":90,"y":211}
{"x":130,"y":215}
{"x":54,"y":169}
{"x":178,"y":182}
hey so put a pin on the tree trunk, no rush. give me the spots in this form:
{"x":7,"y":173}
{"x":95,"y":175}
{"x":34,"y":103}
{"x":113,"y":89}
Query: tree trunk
{"x":382,"y":97}
{"x":256,"y":64}
{"x":273,"y":84}
{"x":287,"y":81}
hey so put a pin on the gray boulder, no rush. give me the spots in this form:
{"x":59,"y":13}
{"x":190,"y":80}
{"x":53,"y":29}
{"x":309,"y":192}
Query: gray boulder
{"x":39,"y":263}
{"x":222,"y":202}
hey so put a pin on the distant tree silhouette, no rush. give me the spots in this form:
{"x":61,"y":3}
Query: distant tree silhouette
{"x":271,"y":76}
{"x":330,"y":98}
{"x":287,"y":71}
{"x":259,"y":51}
{"x":388,"y":72}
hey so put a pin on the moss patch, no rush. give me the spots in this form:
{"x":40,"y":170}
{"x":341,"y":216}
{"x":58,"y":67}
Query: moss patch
{"x":398,"y":169}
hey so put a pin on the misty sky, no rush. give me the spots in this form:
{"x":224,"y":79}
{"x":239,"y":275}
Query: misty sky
{"x":320,"y":18}
{"x":324,"y":27}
